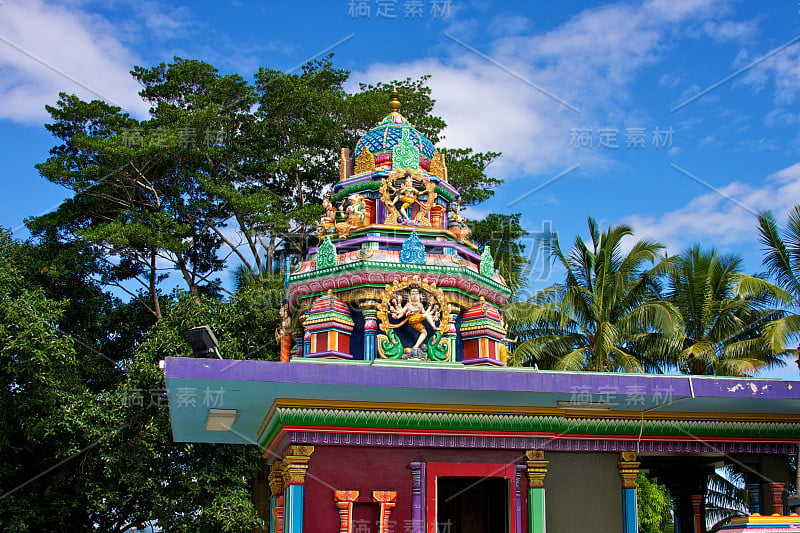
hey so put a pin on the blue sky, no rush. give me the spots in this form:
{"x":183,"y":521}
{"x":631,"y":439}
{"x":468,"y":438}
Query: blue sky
{"x":592,"y":104}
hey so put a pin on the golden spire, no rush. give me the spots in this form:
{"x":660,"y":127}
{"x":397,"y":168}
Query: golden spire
{"x":394,"y":102}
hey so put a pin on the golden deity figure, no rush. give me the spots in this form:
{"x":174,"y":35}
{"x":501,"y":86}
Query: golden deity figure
{"x":416,"y":313}
{"x":283,"y":334}
{"x":504,"y":343}
{"x":355,"y":215}
{"x":327,"y":223}
{"x":399,"y":194}
{"x":407,"y":195}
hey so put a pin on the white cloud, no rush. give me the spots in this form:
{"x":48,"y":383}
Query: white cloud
{"x":782,"y":69}
{"x":47,"y":49}
{"x":724,"y":217}
{"x":587,"y":62}
{"x":730,"y":31}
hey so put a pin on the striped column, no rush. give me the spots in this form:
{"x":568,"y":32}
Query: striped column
{"x":275,"y":480}
{"x":295,"y":465}
{"x":754,"y":493}
{"x":776,"y":491}
{"x":537,"y":470}
{"x":370,"y":313}
{"x":417,"y":497}
{"x":629,"y":471}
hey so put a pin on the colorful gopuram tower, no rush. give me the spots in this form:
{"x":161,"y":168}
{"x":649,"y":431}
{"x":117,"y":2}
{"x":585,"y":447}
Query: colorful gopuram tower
{"x":396,"y":275}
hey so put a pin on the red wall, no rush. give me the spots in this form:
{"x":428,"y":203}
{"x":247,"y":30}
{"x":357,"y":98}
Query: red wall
{"x":366,"y":469}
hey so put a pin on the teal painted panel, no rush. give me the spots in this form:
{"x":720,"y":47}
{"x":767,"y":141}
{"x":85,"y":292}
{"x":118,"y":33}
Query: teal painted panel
{"x":536,"y":511}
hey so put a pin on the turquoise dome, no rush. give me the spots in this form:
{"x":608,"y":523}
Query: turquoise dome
{"x":384,"y":136}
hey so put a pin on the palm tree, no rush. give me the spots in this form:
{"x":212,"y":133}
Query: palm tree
{"x":725,"y":497}
{"x":607,"y":315}
{"x":722,"y":329}
{"x":782,"y":260}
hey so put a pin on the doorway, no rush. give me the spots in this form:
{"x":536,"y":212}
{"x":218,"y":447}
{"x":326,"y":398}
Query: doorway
{"x":472,"y":505}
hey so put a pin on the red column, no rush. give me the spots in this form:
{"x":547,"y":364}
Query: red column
{"x":697,"y":513}
{"x":776,"y":489}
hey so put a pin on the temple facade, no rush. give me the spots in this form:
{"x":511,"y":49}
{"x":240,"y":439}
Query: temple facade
{"x":392,"y":408}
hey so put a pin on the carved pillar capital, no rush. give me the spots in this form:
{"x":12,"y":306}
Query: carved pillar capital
{"x":387,"y":500}
{"x":344,"y":501}
{"x":275,"y":478}
{"x":295,"y":464}
{"x":628,"y":469}
{"x":537,"y":468}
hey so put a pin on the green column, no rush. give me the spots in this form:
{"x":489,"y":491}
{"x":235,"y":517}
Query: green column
{"x":537,"y":470}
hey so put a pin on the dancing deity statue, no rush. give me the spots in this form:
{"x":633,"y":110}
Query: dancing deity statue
{"x":416,"y":313}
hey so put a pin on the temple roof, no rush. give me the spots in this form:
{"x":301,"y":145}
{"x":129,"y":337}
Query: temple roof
{"x":650,"y":408}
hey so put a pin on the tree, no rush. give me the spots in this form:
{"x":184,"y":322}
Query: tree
{"x":725,"y":497}
{"x":722,"y":331}
{"x":654,"y":506}
{"x":502,"y":233}
{"x":87,"y":443}
{"x":607,"y":315}
{"x":782,"y":259}
{"x":223,"y":168}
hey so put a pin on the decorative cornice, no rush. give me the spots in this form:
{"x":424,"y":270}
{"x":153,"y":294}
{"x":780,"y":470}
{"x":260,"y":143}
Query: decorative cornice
{"x":628,"y":469}
{"x":404,"y":269}
{"x":524,"y":410}
{"x":547,"y":443}
{"x":563,"y":426}
{"x":537,"y":468}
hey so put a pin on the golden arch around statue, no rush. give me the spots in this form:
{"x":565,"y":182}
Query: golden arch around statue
{"x":403,"y":302}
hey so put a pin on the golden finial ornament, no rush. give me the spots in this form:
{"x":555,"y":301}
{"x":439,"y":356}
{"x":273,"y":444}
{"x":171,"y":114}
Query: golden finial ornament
{"x":394,"y":102}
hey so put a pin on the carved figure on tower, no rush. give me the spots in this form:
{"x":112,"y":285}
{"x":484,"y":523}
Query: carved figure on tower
{"x":404,"y":306}
{"x":407,"y":195}
{"x":458,"y":224}
{"x":399,"y":188}
{"x":283,"y":334}
{"x":416,"y":313}
{"x":354,"y":215}
{"x":327,"y":224}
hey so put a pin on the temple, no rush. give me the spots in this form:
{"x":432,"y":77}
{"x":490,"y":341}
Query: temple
{"x":393,"y":409}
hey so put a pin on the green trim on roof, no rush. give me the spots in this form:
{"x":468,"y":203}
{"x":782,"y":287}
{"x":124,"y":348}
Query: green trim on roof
{"x":561,"y":425}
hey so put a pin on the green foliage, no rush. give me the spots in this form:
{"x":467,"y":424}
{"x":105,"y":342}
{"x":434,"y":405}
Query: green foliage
{"x":82,"y":456}
{"x":782,"y":259}
{"x":722,"y":329}
{"x":607,"y":315}
{"x":502,"y":233}
{"x":654,"y":506}
{"x":218,"y":153}
{"x":725,"y":497}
